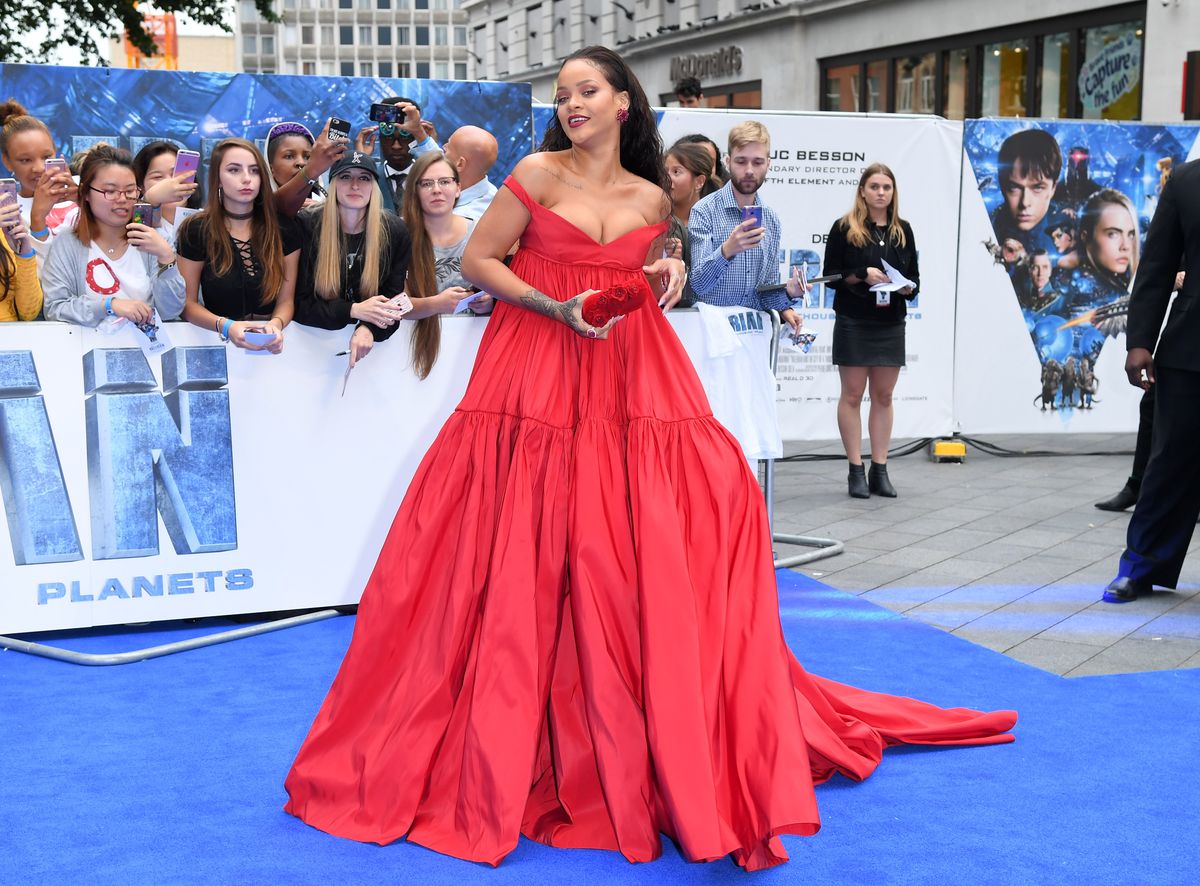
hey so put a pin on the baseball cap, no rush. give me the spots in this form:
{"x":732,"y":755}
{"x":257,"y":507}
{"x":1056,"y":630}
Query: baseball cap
{"x":354,"y":160}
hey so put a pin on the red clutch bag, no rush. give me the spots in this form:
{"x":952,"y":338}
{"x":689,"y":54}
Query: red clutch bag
{"x":600,"y":307}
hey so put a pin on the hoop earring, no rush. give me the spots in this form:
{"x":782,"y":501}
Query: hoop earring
{"x":622,"y":115}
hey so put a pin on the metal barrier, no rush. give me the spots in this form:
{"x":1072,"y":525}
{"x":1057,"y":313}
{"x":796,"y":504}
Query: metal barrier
{"x":825,"y":547}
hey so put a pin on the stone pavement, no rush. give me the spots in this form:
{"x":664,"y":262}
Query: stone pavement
{"x":1005,"y":552}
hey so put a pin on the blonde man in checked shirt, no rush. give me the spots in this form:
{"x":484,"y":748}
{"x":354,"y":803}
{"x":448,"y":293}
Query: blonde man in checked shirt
{"x":732,"y":257}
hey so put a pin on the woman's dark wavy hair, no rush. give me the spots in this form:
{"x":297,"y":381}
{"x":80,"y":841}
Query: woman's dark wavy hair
{"x":641,"y":145}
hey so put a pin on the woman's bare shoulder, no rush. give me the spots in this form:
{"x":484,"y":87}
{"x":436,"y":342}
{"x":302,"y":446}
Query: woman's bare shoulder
{"x":538,"y":173}
{"x":651,"y":199}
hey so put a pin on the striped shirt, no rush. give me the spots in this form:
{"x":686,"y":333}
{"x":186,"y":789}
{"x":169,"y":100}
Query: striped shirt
{"x":728,"y":282}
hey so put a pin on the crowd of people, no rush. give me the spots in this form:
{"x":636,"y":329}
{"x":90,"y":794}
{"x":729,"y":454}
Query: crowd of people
{"x":108,"y":238}
{"x":261,"y":243}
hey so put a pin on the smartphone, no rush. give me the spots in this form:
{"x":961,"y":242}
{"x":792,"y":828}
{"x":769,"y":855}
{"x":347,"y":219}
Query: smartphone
{"x":339,"y":129}
{"x":754,"y":212}
{"x":385,"y":113}
{"x":146,"y":214}
{"x":9,"y":189}
{"x":56,"y":164}
{"x":186,"y":161}
{"x":401,"y":303}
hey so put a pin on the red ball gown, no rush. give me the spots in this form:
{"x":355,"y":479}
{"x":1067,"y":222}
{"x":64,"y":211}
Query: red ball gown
{"x":572,"y":631}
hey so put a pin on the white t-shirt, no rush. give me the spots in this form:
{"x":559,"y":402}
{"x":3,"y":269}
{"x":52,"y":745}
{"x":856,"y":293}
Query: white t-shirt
{"x":128,"y":272}
{"x":170,"y":230}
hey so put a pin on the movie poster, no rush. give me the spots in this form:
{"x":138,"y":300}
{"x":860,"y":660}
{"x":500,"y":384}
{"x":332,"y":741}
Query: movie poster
{"x":1067,"y":206}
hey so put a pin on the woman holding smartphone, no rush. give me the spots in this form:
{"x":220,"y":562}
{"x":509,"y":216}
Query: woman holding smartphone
{"x":47,"y":190}
{"x":355,"y":259}
{"x":239,"y":253}
{"x":868,"y":332}
{"x":439,"y":238}
{"x":176,"y":196}
{"x":106,"y":268}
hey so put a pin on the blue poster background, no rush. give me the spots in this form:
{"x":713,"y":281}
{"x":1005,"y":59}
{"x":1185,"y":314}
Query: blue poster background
{"x":128,"y":107}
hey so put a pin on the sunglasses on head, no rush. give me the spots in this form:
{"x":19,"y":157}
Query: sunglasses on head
{"x":389,"y":130}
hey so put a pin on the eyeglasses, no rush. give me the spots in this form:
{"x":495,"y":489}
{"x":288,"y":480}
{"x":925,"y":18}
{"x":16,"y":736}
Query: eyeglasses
{"x":113,"y":195}
{"x":388,"y":130}
{"x":426,"y":184}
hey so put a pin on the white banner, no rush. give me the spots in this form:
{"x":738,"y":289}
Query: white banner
{"x":207,"y":480}
{"x":817,"y":160}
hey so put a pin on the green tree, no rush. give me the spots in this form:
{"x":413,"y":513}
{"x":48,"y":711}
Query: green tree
{"x":32,"y":31}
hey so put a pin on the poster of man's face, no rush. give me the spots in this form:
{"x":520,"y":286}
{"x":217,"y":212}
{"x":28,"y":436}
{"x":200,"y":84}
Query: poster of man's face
{"x":1069,"y":204}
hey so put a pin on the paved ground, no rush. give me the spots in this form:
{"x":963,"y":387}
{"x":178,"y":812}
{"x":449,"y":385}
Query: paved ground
{"x":1005,"y":552}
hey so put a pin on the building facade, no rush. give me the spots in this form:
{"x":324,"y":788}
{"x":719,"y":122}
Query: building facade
{"x":356,"y":38}
{"x":1085,"y":59}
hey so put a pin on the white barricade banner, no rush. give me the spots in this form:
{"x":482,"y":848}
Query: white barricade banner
{"x":207,"y":480}
{"x":1054,"y":214}
{"x":816,"y":163}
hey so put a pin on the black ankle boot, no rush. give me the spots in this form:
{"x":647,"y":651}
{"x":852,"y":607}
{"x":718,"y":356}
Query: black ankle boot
{"x":1126,"y":498}
{"x":858,"y":482}
{"x":879,"y":483}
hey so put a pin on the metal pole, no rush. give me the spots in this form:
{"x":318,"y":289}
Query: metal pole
{"x":120,"y":658}
{"x":826,"y":547}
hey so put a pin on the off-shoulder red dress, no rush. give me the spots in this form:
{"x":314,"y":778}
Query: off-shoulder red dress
{"x":572,"y":631}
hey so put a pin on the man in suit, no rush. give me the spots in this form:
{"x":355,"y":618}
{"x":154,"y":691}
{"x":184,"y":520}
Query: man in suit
{"x":1169,"y":501}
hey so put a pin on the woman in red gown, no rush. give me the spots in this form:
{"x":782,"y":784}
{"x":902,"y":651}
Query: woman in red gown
{"x":572,"y":631}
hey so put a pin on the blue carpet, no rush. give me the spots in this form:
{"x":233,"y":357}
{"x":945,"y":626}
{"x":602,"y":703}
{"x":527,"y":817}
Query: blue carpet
{"x":171,"y":771}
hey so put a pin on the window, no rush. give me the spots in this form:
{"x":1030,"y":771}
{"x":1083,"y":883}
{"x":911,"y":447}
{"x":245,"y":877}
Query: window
{"x":307,"y":35}
{"x":327,"y":68}
{"x":957,"y":76}
{"x":591,"y":22}
{"x":404,"y":70}
{"x":439,"y":35}
{"x":327,"y":35}
{"x":420,"y":4}
{"x":502,"y":46}
{"x":385,"y":69}
{"x":460,"y":36}
{"x":346,"y":35}
{"x":366,"y":69}
{"x":1110,"y":72}
{"x":914,"y":84}
{"x":249,"y":11}
{"x":1054,"y":77}
{"x":559,"y":10}
{"x":460,"y":70}
{"x":533,"y":35}
{"x":402,"y":36}
{"x":289,"y":4}
{"x":385,"y":35}
{"x":309,"y":69}
{"x":345,"y":4}
{"x":290,"y":68}
{"x":383,"y":4}
{"x":441,"y":70}
{"x":841,"y":88}
{"x":877,"y":86}
{"x":364,"y":35}
{"x":422,"y":70}
{"x":347,"y":69}
{"x":439,"y":4}
{"x":268,"y":44}
{"x":1004,"y":79}
{"x":422,"y":35}
{"x":480,"y":48}
{"x":249,"y":44}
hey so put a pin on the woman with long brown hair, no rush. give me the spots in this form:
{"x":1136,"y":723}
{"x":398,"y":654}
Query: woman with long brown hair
{"x":868,"y":332}
{"x":439,"y":238}
{"x":237,"y":254}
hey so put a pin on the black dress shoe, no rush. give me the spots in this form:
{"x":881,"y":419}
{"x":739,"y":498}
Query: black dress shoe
{"x":1126,"y":590}
{"x":878,"y":482}
{"x":858,"y":482}
{"x":1123,"y":500}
